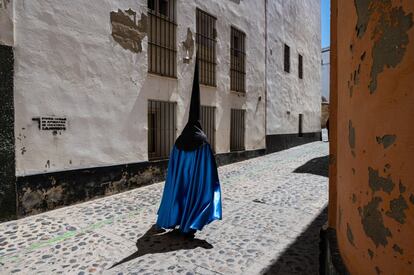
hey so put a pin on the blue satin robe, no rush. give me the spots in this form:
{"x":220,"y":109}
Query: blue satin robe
{"x":192,"y":196}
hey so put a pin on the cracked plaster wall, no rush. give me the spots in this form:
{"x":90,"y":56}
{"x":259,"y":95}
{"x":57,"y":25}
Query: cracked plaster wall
{"x":69,"y":64}
{"x":375,"y":68}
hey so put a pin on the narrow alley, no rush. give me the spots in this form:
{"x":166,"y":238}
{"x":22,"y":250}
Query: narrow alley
{"x":273,"y":209}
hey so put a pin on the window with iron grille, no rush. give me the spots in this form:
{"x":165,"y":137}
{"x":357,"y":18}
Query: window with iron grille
{"x":162,"y":51}
{"x":237,"y":130}
{"x":300,"y":131}
{"x":208,"y":122}
{"x":287,"y":59}
{"x":206,"y":45}
{"x":237,"y":61}
{"x":161,"y":128}
{"x":300,"y":66}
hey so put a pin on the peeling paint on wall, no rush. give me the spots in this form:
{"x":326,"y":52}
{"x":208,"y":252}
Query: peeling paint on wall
{"x":376,"y":182}
{"x":373,"y":223}
{"x":386,"y":140}
{"x":412,"y":198}
{"x":370,"y":253}
{"x":391,"y":41}
{"x":398,"y":249}
{"x":351,"y":137}
{"x":349,"y":234}
{"x":401,"y":187}
{"x":127,"y":31}
{"x":397,"y":208}
{"x":363,"y":13}
{"x":188,"y":45}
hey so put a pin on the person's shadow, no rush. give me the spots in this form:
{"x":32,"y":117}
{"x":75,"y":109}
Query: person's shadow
{"x":160,"y":241}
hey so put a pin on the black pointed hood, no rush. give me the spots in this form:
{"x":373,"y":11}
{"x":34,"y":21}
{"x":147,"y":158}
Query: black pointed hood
{"x":192,"y":135}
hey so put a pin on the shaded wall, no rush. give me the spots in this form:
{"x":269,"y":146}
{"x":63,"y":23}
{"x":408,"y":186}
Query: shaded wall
{"x":372,"y":101}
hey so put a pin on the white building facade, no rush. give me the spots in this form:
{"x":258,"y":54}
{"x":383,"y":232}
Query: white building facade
{"x":101,"y":89}
{"x":325,"y":72}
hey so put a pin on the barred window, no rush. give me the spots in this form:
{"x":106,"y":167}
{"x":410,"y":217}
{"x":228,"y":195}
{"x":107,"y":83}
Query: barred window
{"x":300,"y":130}
{"x":287,"y":58}
{"x":162,"y":51}
{"x":161,"y":128}
{"x":300,"y":66}
{"x":237,"y":61}
{"x":206,"y":45}
{"x":237,"y":130}
{"x":208,"y":122}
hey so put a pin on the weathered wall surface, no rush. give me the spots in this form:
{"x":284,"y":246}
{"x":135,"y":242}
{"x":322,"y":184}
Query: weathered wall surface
{"x":375,"y":187}
{"x":6,"y":22}
{"x":296,"y":23}
{"x":325,"y":72}
{"x":7,"y":155}
{"x":71,"y":62}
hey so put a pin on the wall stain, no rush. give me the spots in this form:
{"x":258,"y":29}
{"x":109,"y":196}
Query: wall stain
{"x":354,"y":199}
{"x":370,"y":253}
{"x":376,"y":182}
{"x":4,"y":3}
{"x":386,"y":140}
{"x":391,"y":40}
{"x":127,"y":31}
{"x":373,"y":223}
{"x":412,"y":198}
{"x":349,"y":234}
{"x":401,"y":187}
{"x":351,"y":137}
{"x":31,"y":199}
{"x":397,"y":208}
{"x":363,"y":56}
{"x":398,"y":249}
{"x":378,"y":270}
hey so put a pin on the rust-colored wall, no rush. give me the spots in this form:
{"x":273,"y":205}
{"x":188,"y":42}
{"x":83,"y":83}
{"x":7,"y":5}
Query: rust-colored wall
{"x":374,"y":144}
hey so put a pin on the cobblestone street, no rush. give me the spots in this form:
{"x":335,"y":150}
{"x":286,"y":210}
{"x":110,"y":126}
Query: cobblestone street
{"x":273,"y":208}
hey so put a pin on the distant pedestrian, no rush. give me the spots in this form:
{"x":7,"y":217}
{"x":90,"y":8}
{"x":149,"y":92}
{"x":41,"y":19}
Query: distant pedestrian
{"x":192,"y":196}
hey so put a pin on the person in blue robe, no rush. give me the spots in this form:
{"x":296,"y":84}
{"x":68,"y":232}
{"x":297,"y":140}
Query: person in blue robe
{"x":192,"y":196}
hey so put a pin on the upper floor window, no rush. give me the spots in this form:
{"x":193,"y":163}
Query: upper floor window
{"x":287,"y":59}
{"x":300,"y":66}
{"x":206,"y":46}
{"x":237,"y":61}
{"x":162,"y":50}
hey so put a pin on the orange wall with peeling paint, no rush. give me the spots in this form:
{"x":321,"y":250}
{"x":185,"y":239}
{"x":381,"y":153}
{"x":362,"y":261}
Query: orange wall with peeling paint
{"x":372,"y":164}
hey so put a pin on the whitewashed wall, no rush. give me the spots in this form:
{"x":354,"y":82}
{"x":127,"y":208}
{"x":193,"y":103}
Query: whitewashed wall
{"x":325,"y":72}
{"x":296,"y":23}
{"x":67,"y":64}
{"x":6,"y":22}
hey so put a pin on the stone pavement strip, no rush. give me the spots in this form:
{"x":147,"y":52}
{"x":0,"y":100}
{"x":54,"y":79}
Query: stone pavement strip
{"x":273,"y":208}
